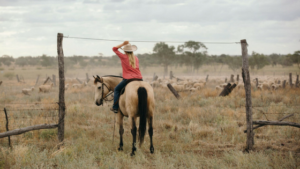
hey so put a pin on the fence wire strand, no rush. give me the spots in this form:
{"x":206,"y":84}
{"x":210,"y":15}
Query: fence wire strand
{"x":143,"y":41}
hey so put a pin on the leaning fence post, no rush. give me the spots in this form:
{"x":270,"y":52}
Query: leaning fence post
{"x":88,"y":79}
{"x":37,"y":80}
{"x":9,"y":143}
{"x":173,"y":91}
{"x":62,"y":108}
{"x":247,"y":86}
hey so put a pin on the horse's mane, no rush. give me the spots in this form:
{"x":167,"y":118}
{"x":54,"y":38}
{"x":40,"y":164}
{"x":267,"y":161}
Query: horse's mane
{"x":96,"y":80}
{"x":112,"y":76}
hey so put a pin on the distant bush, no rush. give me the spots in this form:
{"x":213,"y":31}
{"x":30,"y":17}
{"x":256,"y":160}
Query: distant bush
{"x":9,"y":75}
{"x":38,"y":68}
{"x":1,"y":68}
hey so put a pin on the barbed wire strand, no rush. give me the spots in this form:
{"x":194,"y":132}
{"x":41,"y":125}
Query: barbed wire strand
{"x":30,"y":103}
{"x":147,"y":41}
{"x":26,"y":109}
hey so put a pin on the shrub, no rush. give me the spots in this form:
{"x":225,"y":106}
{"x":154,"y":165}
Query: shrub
{"x":9,"y":75}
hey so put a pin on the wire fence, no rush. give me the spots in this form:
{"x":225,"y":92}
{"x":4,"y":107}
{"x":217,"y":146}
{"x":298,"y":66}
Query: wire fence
{"x":28,"y":114}
{"x":144,"y":41}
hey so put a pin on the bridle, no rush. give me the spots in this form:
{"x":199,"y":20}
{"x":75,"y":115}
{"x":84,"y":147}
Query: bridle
{"x":102,"y":88}
{"x":109,"y":93}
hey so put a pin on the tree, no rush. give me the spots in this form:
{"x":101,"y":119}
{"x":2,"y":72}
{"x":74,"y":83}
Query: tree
{"x":192,"y":55}
{"x":274,"y":59}
{"x":47,"y":60}
{"x":21,"y":61}
{"x":7,"y":60}
{"x":234,"y":62}
{"x":286,"y":60}
{"x":258,"y":61}
{"x":296,"y":58}
{"x":165,"y":54}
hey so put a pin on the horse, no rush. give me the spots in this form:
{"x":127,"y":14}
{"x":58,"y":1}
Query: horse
{"x":136,"y":101}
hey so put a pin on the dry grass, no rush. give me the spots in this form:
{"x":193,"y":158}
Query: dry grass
{"x":200,"y":131}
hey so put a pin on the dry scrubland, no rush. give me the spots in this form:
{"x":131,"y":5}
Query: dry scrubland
{"x":199,"y":131}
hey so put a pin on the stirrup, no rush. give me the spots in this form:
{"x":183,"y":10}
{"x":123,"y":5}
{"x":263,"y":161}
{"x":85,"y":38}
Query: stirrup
{"x":114,"y":110}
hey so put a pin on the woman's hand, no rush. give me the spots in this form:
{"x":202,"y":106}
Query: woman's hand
{"x":126,"y":42}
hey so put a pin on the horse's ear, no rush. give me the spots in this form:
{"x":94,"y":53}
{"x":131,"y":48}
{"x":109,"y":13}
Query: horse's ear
{"x":100,"y":79}
{"x":97,"y":79}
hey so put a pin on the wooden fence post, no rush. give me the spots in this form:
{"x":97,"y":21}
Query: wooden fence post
{"x":247,"y":86}
{"x":237,"y":77}
{"x":62,"y":106}
{"x":206,"y":80}
{"x":88,"y":79}
{"x":297,"y":81}
{"x":256,"y":83}
{"x":173,"y":91}
{"x":171,"y":74}
{"x":18,"y":78}
{"x":153,"y":77}
{"x":232,"y":78}
{"x":54,"y":80}
{"x":9,"y":143}
{"x":291,"y":80}
{"x":283,"y":84}
{"x":226,"y":80}
{"x":79,"y":80}
{"x":48,"y":78}
{"x":37,"y":80}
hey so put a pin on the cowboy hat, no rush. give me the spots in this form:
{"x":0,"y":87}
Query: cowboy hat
{"x":129,"y":48}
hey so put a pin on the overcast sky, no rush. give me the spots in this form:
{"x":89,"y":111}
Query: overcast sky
{"x":30,"y":27}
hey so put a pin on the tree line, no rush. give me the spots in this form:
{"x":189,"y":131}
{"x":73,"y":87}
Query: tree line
{"x":190,"y":54}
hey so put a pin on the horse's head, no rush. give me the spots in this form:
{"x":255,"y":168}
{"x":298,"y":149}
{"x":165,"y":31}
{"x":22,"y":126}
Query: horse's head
{"x":101,"y":90}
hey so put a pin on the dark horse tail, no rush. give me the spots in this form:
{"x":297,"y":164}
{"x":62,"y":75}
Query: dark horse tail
{"x":143,"y":111}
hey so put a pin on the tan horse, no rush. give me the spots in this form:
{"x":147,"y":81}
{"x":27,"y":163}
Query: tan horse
{"x":136,"y":101}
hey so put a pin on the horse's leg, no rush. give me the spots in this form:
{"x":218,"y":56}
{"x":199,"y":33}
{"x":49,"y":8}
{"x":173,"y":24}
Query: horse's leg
{"x":133,"y":132}
{"x":121,"y":129}
{"x":150,"y":131}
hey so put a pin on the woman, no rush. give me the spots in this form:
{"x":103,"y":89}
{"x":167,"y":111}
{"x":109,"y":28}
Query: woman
{"x":130,"y":66}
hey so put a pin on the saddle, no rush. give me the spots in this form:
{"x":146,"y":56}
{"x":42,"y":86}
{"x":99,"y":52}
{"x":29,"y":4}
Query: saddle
{"x":127,"y":82}
{"x":123,"y":90}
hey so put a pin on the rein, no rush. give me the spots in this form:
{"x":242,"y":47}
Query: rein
{"x":110,"y":93}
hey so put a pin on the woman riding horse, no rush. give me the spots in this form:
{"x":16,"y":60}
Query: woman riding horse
{"x":130,"y":66}
{"x":137,"y":101}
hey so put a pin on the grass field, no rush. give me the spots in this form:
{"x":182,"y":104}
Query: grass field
{"x":201,"y":130}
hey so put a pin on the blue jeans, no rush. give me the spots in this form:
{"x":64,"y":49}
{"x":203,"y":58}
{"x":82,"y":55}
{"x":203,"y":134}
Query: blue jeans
{"x":117,"y":91}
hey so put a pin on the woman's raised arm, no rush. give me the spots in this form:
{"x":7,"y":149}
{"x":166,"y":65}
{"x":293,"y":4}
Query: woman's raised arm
{"x":124,"y":43}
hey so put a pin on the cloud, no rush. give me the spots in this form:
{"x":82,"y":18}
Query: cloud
{"x":269,"y":26}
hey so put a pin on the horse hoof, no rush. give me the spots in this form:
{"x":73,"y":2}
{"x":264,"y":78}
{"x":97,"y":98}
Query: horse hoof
{"x":152,"y":150}
{"x":120,"y":148}
{"x":132,"y":154}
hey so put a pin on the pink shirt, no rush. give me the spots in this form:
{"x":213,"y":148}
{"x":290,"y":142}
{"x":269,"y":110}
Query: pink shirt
{"x":128,"y":71}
